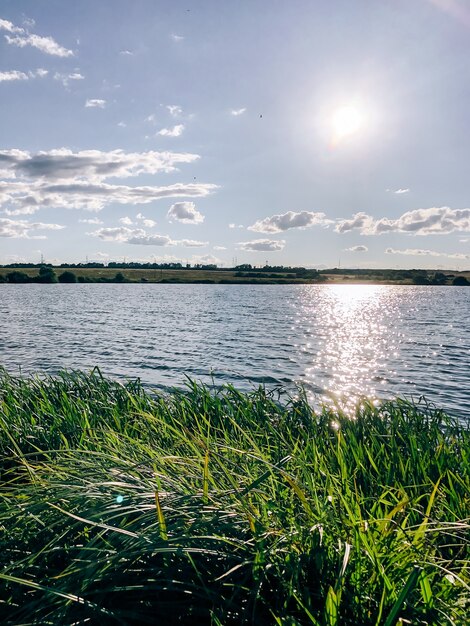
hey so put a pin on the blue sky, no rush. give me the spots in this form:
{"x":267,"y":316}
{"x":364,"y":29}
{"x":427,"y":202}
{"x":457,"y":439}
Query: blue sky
{"x":299,"y":133}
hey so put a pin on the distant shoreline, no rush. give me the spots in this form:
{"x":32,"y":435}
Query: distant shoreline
{"x":236,"y":276}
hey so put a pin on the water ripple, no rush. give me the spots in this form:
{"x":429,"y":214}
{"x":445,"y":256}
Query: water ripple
{"x":341,"y":342}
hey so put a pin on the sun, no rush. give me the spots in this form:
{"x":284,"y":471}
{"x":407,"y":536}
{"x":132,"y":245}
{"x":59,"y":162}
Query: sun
{"x":346,"y":121}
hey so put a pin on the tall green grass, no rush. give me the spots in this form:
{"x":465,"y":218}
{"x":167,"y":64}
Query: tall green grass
{"x":122,"y":507}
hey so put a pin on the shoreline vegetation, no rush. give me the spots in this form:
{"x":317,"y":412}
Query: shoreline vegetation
{"x":211,"y":274}
{"x":119,"y":506}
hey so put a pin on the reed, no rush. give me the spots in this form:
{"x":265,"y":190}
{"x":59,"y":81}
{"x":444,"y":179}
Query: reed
{"x":120,"y":506}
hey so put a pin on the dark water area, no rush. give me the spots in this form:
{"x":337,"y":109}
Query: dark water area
{"x":341,"y":342}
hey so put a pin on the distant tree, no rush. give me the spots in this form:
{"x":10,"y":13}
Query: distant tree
{"x":17,"y":277}
{"x":439,"y":278}
{"x":47,"y":274}
{"x":119,"y":278}
{"x":67,"y":277}
{"x":419,"y":279}
{"x":460,"y":281}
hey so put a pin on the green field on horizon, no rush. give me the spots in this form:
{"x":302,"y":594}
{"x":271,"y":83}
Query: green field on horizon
{"x":194,"y":275}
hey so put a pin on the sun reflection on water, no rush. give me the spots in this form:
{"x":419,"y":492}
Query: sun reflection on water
{"x":351,"y":347}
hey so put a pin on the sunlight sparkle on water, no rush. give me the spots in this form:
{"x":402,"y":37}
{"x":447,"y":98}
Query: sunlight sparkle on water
{"x":349,"y":354}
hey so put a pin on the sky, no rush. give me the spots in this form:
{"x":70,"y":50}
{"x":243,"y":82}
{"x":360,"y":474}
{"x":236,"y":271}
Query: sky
{"x":317,"y":133}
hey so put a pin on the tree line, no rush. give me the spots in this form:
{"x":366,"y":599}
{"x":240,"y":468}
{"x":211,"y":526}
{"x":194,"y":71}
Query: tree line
{"x":47,"y":275}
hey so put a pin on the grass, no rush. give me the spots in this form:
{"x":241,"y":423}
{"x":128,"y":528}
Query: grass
{"x":122,"y":507}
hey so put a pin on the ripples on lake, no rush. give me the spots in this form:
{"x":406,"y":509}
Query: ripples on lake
{"x":341,"y":342}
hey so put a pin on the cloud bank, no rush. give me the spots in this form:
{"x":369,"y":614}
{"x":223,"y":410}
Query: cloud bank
{"x":94,"y":165}
{"x":421,"y":252}
{"x":77,"y":180}
{"x":289,"y":220}
{"x":433,"y":221}
{"x":27,"y":199}
{"x":22,"y":229}
{"x":138,"y":236}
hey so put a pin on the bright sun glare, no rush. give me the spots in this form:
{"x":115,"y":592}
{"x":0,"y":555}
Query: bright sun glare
{"x":347,"y":121}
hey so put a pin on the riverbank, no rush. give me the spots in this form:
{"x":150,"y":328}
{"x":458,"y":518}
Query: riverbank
{"x":276,"y":276}
{"x":227,"y":508}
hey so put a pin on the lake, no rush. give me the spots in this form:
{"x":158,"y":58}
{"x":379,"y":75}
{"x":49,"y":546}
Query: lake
{"x":341,"y":342}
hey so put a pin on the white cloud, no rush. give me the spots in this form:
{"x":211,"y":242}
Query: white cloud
{"x":64,"y":179}
{"x":91,"y":197}
{"x":66,"y":78}
{"x":122,"y":124}
{"x":45,"y":44}
{"x":94,"y":197}
{"x":360,"y":221}
{"x":23,"y":38}
{"x":185,"y":212}
{"x":12,"y":75}
{"x":237,"y":112}
{"x":262,"y":245}
{"x":95,"y":103}
{"x":232,"y":225}
{"x":286,"y":221}
{"x":175,"y":110}
{"x":122,"y":234}
{"x":126,"y":53}
{"x":206,"y":259}
{"x":138,"y":236}
{"x":400,"y":191}
{"x":22,"y":229}
{"x":126,"y":221}
{"x":421,"y":252}
{"x":176,"y":38}
{"x":150,"y":118}
{"x":433,"y":221}
{"x":220,"y":248}
{"x":93,"y":165}
{"x":10,"y":27}
{"x":91,"y":220}
{"x":191,"y":243}
{"x":357,"y":249}
{"x":148,"y":223}
{"x":151,"y":240}
{"x":174,"y":131}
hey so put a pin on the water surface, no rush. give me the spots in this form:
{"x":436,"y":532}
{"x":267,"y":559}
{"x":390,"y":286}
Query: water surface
{"x":339,"y":341}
